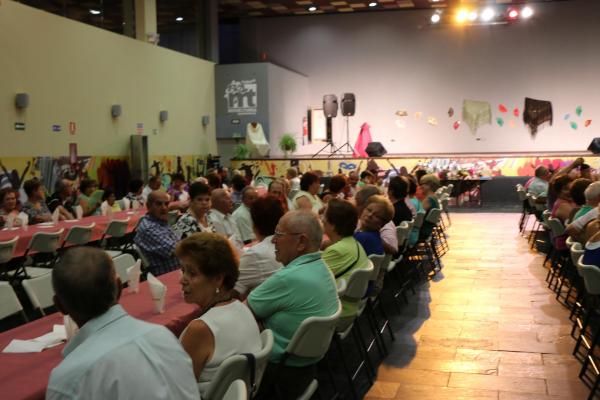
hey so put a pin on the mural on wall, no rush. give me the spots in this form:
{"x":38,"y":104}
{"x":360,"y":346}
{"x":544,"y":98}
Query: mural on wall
{"x":484,"y":167}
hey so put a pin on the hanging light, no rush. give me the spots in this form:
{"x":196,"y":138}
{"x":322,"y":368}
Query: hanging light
{"x":526,"y":12}
{"x":488,"y":14}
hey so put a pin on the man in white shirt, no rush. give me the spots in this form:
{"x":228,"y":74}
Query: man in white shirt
{"x":112,"y":356}
{"x":538,"y":186}
{"x":258,"y":262}
{"x":221,"y":219}
{"x":242,"y":217}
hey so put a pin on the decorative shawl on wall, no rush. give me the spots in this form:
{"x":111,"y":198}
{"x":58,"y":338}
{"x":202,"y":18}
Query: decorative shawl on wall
{"x":476,"y":113}
{"x":536,"y":112}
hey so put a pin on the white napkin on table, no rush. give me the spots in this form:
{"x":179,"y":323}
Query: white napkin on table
{"x":70,"y":326}
{"x":78,"y":212}
{"x":158,"y":290}
{"x":56,"y":215}
{"x":10,"y":220}
{"x":133,"y":277}
{"x":135,"y":205}
{"x":51,"y":339}
{"x":24,"y":219}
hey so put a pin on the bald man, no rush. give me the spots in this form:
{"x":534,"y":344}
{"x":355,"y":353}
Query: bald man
{"x":221,"y":219}
{"x":303,"y":288}
{"x":113,"y":355}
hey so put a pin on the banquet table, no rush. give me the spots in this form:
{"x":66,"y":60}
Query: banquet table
{"x":25,"y":375}
{"x":101,"y":221}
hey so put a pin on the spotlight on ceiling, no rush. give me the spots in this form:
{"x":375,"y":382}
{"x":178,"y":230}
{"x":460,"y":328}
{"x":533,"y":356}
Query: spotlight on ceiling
{"x":488,"y":14}
{"x":94,"y":12}
{"x":435,"y":18}
{"x":526,"y":12}
{"x":472,"y":16}
{"x":372,"y":4}
{"x":179,"y":19}
{"x":312,"y":8}
{"x":462,"y":15}
{"x":513,"y":13}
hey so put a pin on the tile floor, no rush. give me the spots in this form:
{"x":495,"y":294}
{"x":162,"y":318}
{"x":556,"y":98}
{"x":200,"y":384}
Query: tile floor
{"x":486,"y":328}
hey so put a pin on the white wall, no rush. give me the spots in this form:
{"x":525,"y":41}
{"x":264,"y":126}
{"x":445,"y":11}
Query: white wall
{"x":395,"y":60}
{"x":75,"y":72}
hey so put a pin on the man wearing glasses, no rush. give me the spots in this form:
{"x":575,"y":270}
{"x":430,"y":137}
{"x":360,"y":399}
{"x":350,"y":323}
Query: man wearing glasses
{"x":303,"y":288}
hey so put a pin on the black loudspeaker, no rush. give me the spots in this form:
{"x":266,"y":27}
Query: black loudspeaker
{"x":22,"y":100}
{"x":330,"y":105}
{"x":348,"y":104}
{"x":375,"y":149}
{"x":594,"y":147}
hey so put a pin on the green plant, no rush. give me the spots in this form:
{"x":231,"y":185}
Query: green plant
{"x":287,"y":143}
{"x":241,"y":151}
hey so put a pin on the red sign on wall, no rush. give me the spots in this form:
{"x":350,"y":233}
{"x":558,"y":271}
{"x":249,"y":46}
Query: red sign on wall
{"x":72,"y":128}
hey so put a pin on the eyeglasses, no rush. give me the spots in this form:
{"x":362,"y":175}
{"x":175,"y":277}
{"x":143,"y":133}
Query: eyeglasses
{"x":276,"y":234}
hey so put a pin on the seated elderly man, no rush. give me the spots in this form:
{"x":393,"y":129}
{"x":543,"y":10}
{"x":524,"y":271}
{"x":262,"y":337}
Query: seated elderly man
{"x":242,"y":217}
{"x":113,"y":355}
{"x":577,"y":227}
{"x":62,"y":198}
{"x":538,"y":185}
{"x":303,"y":288}
{"x":155,"y":238}
{"x":221,"y":219}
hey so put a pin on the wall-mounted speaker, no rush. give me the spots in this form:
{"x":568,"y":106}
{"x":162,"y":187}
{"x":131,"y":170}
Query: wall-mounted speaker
{"x":348,"y":104}
{"x":330,"y":105}
{"x":205,"y":120}
{"x":163,"y":116}
{"x":116,"y":110}
{"x":22,"y":100}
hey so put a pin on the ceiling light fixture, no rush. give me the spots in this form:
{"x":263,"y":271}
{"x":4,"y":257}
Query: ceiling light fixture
{"x":461,"y":15}
{"x":372,"y":4}
{"x":488,"y":14}
{"x":435,"y":18}
{"x":526,"y":12}
{"x":472,"y":15}
{"x":94,"y":12}
{"x":179,"y":19}
{"x":312,"y":8}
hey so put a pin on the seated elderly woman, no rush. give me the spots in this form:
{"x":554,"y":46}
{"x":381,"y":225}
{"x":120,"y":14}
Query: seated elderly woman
{"x":429,"y":184}
{"x":195,"y":220}
{"x":258,"y":262}
{"x":337,"y":186}
{"x":307,"y":198}
{"x":378,"y":212}
{"x":577,"y":191}
{"x":387,"y":231}
{"x":226,"y":327}
{"x":36,"y":209}
{"x":8,"y":207}
{"x":344,"y":254}
{"x":89,"y":204}
{"x":109,"y":201}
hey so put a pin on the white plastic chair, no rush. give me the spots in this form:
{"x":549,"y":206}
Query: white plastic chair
{"x":341,"y":285}
{"x":262,"y":358}
{"x":117,"y":228}
{"x":230,"y":370}
{"x":237,"y":391}
{"x":79,"y":235}
{"x":312,"y":340}
{"x":7,"y":250}
{"x":9,"y":302}
{"x":40,"y":291}
{"x":43,"y":244}
{"x":122,"y":262}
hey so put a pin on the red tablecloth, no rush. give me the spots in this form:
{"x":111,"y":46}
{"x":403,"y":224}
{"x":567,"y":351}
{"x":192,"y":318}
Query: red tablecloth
{"x":25,"y":234}
{"x":25,"y":376}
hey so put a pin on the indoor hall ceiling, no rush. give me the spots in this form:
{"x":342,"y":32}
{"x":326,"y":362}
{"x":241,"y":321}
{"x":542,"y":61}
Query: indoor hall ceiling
{"x":270,"y":8}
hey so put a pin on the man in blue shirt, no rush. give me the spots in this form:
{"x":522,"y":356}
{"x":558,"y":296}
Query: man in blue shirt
{"x":112,"y":356}
{"x":155,"y":238}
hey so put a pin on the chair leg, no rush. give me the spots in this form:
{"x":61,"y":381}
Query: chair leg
{"x":351,"y":386}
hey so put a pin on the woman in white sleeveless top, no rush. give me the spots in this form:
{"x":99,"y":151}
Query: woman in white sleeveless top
{"x":307,"y":198}
{"x":226,"y":327}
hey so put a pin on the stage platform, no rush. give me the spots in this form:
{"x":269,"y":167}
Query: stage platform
{"x":481,"y":164}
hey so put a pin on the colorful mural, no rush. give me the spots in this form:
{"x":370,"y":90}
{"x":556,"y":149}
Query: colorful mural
{"x":498,"y":166}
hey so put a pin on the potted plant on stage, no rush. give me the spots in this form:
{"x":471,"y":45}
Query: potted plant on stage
{"x":241,"y":152}
{"x":287,"y":143}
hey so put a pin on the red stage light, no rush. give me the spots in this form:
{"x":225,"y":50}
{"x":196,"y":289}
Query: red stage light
{"x":513,"y":13}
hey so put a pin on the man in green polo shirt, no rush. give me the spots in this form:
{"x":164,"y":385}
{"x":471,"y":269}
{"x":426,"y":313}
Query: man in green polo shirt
{"x":303,"y":288}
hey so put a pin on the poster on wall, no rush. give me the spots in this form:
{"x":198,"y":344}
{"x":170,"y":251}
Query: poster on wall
{"x":242,"y":97}
{"x":318,"y":125}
